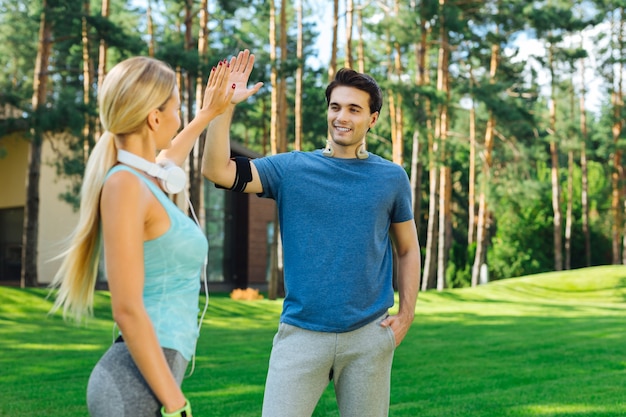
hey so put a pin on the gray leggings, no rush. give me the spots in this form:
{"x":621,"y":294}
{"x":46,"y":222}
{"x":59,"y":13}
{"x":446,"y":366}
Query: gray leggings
{"x":303,"y":362}
{"x":116,"y":388}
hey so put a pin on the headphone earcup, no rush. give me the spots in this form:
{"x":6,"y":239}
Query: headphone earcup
{"x":173,"y":178}
{"x":361,"y":152}
{"x":328,"y":151}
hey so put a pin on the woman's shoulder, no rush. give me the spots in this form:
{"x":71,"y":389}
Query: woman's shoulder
{"x":122,"y":182}
{"x":123,"y":176}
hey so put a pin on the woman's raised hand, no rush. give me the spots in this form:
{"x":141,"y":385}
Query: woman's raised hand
{"x":218,"y":93}
{"x":240,"y":69}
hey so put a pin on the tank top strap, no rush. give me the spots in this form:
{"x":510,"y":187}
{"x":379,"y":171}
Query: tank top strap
{"x":158,"y":193}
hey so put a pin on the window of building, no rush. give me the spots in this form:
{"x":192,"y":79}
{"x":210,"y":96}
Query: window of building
{"x":11,"y":225}
{"x":214,"y":224}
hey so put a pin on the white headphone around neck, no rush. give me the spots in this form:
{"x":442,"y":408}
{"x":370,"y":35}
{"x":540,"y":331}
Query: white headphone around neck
{"x":171,"y":177}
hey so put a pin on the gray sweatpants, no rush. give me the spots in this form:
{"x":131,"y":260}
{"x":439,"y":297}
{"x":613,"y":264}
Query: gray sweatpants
{"x":303,"y":362}
{"x":116,"y":388}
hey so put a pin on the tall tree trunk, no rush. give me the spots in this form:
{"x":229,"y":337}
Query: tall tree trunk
{"x":277,"y":142}
{"x":273,"y":284}
{"x":471,"y":205}
{"x":398,"y":145}
{"x":416,"y":164}
{"x":481,"y":237}
{"x":194,"y":172}
{"x":583,"y":166}
{"x":430,"y":267}
{"x":332,"y":67}
{"x":102,"y":63}
{"x":282,"y":117}
{"x":265,"y":129}
{"x":349,"y":22}
{"x":274,"y":133}
{"x":102,"y":49}
{"x":391,"y":98}
{"x":189,"y":46}
{"x":445,"y":224}
{"x":87,"y":80}
{"x":299,"y":70}
{"x":196,"y":181}
{"x":150,"y":27}
{"x":395,"y":98}
{"x":360,"y":50}
{"x":416,"y":174}
{"x":554,"y":170}
{"x":568,"y":210}
{"x":30,"y":236}
{"x":570,"y":191}
{"x":483,"y":214}
{"x":282,"y":82}
{"x":556,"y":205}
{"x":445,"y":188}
{"x":181,"y":92}
{"x":616,"y":197}
{"x":423,"y":78}
{"x":616,"y":129}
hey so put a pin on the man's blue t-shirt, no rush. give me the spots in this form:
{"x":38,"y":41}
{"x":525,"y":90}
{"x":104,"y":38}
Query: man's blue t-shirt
{"x":335,"y":216}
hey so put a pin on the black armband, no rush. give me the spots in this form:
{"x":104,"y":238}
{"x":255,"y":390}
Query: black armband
{"x":243,"y":174}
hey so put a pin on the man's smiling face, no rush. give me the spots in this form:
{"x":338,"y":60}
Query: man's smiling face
{"x":349,"y":119}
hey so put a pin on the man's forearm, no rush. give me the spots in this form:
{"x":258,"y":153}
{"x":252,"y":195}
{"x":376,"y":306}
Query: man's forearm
{"x":409,"y":270}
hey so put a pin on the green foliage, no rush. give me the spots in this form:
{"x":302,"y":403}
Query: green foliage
{"x":523,"y":236}
{"x":518,"y":188}
{"x":119,"y":40}
{"x":459,"y":270}
{"x":18,"y":31}
{"x":522,"y":241}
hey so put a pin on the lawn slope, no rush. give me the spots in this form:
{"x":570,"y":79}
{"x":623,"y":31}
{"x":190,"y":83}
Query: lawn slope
{"x":543,"y":345}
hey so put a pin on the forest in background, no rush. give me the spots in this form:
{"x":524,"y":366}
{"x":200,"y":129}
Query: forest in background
{"x":510,"y":165}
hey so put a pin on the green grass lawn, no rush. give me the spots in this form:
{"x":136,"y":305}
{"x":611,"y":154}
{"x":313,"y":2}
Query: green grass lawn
{"x":544,"y":345}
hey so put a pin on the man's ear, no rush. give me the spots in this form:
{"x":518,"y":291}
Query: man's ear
{"x":154,"y":119}
{"x":373,"y":119}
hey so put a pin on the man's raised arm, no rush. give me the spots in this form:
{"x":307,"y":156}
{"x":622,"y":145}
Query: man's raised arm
{"x":216,"y":163}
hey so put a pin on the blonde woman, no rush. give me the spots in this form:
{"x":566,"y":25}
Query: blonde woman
{"x":153,"y":252}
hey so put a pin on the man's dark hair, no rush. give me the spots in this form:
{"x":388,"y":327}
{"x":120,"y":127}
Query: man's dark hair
{"x":350,"y":78}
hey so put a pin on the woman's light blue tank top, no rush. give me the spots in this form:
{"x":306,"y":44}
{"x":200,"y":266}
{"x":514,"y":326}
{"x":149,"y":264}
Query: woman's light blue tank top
{"x":173,"y":264}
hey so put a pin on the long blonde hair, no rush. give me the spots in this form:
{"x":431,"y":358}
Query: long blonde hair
{"x":131,"y":90}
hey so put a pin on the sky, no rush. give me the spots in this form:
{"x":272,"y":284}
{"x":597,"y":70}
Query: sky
{"x":594,"y":86}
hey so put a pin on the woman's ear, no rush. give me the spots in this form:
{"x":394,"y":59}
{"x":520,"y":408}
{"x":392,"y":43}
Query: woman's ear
{"x":153,"y":119}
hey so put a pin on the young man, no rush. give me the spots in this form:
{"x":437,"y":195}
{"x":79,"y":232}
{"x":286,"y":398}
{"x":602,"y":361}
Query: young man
{"x":338,"y":208}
